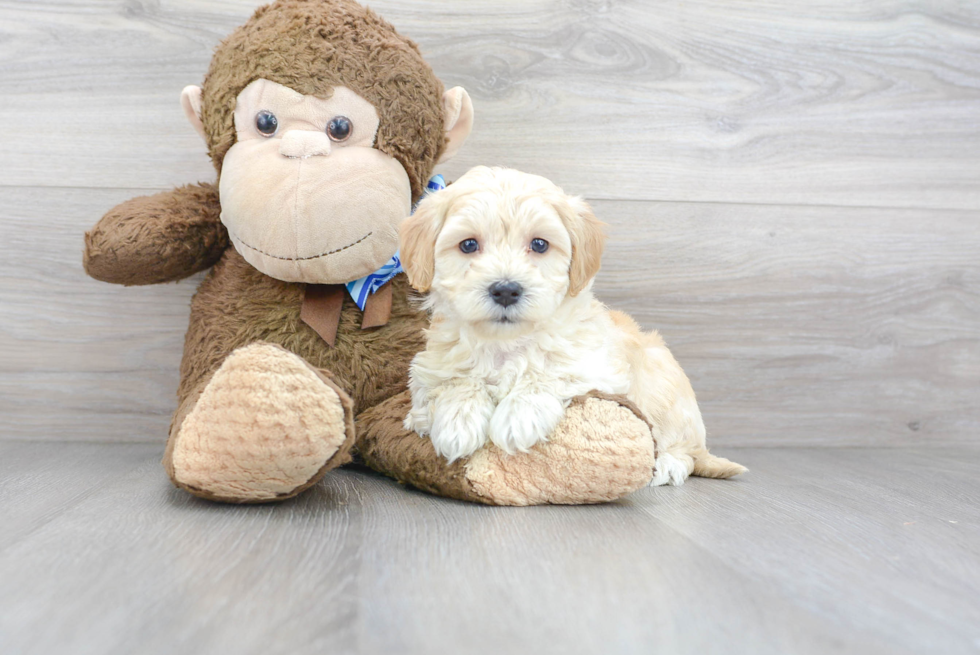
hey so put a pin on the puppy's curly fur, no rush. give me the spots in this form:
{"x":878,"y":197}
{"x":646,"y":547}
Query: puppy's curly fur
{"x":504,"y":370}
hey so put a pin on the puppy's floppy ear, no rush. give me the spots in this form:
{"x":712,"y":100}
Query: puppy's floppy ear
{"x":588,"y":241}
{"x":417,"y":240}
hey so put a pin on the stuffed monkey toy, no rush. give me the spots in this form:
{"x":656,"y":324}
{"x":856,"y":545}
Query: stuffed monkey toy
{"x":324,"y":126}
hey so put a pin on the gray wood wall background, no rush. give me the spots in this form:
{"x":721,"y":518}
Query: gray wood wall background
{"x":793,"y":191}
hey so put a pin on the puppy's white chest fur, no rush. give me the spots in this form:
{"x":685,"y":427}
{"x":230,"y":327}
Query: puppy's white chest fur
{"x":564,"y":372}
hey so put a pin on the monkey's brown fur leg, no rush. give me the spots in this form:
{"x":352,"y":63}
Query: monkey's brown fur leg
{"x":602,"y":450}
{"x":263,"y":428}
{"x":159,"y":238}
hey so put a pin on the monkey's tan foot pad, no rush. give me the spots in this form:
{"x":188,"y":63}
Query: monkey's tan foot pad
{"x":601,"y":451}
{"x":267,"y":426}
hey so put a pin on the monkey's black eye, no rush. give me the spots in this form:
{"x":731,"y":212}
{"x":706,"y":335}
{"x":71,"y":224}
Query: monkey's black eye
{"x":266,"y":123}
{"x":539,"y":245}
{"x":339,"y":128}
{"x":469,"y":246}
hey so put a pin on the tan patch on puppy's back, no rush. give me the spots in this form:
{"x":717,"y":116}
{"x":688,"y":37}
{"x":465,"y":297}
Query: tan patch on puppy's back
{"x":624,"y":322}
{"x":637,"y":345}
{"x":633,"y":334}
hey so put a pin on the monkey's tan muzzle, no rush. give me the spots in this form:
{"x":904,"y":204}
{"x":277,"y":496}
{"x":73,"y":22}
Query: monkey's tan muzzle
{"x":304,"y":143}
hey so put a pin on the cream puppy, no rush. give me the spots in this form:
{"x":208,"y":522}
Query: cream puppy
{"x":508,"y":260}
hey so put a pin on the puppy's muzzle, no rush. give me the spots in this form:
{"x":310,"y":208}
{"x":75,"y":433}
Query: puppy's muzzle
{"x":506,"y":293}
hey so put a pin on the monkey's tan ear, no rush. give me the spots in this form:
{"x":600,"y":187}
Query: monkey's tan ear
{"x":458,"y":114}
{"x":588,"y":242}
{"x":417,"y":241}
{"x":190,"y":100}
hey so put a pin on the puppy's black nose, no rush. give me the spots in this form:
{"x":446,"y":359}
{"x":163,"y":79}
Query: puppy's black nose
{"x":506,"y":294}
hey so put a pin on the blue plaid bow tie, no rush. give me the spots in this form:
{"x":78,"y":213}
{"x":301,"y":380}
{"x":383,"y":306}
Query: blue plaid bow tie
{"x":360,"y":289}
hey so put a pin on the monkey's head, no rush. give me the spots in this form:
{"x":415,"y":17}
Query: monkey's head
{"x":324,"y":125}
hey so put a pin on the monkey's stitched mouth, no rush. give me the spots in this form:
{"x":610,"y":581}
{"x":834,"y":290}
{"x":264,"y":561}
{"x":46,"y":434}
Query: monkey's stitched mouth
{"x":299,"y":259}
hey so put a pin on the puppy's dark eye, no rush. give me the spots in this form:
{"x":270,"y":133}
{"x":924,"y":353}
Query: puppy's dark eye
{"x":339,"y":128}
{"x":469,"y":246}
{"x":266,"y":123}
{"x":539,"y":245}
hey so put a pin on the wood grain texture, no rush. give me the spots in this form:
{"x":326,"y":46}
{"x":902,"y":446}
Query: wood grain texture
{"x":797,"y":325}
{"x":814,"y":551}
{"x":39,"y":485}
{"x":834,"y":326}
{"x":874,"y":102}
{"x":80,"y":359}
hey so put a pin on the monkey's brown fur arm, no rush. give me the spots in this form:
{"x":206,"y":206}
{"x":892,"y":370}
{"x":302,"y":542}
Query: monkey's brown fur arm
{"x":159,"y":238}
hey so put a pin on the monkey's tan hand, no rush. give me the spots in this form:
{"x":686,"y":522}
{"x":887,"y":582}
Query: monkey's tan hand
{"x":601,"y":450}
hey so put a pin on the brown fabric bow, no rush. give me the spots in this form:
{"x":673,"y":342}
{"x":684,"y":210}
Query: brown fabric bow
{"x":323,"y":303}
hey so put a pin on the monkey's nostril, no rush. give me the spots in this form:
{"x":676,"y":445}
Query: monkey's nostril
{"x":506,"y":293}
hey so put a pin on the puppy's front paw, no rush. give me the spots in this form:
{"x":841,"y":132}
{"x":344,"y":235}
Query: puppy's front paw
{"x":522,"y":420}
{"x":459,"y":427}
{"x":419,"y":420}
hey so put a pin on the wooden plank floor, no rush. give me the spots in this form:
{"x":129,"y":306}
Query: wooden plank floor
{"x":843,"y":550}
